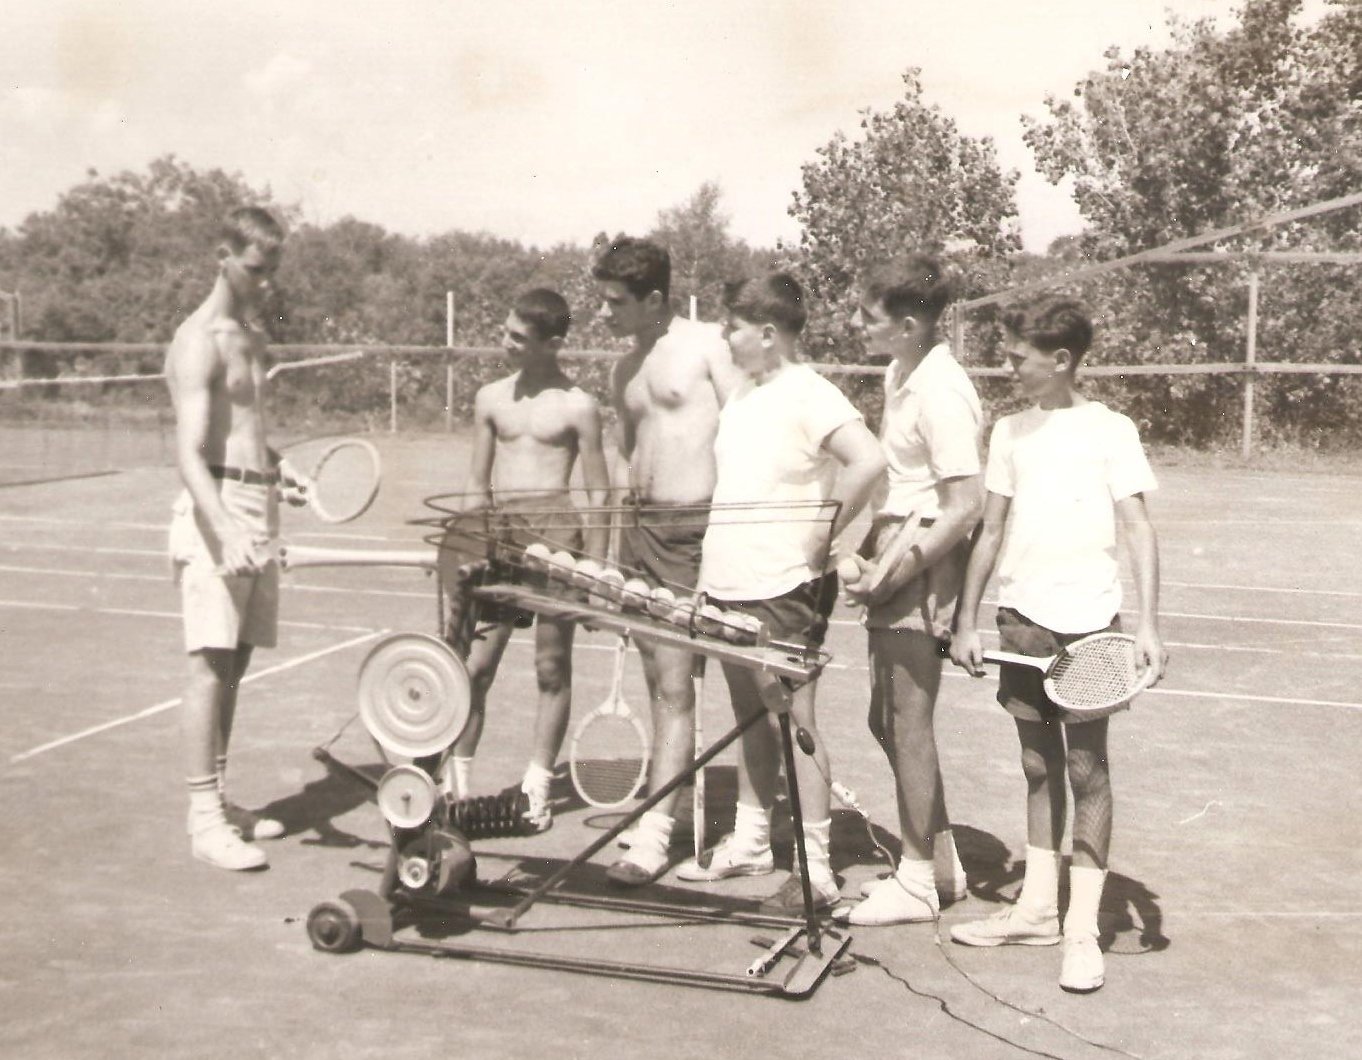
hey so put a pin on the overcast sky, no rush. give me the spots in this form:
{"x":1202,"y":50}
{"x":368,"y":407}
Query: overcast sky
{"x":540,"y":121}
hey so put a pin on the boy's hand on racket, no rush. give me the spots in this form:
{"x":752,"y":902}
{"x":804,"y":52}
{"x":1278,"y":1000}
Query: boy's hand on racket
{"x":241,"y":550}
{"x":293,"y":487}
{"x":1150,"y":654}
{"x":967,"y":651}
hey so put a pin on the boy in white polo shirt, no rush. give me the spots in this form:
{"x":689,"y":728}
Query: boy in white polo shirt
{"x":1060,"y":476}
{"x":931,"y":430}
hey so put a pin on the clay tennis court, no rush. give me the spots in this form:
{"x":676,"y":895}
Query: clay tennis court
{"x":1232,"y":917}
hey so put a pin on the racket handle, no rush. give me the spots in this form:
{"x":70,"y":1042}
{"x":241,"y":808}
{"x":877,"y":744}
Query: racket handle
{"x":1036,"y":662}
{"x":295,"y":557}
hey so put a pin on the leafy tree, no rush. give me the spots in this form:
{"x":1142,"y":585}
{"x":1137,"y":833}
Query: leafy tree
{"x":913,"y":181}
{"x":704,"y":255}
{"x":1221,"y":127}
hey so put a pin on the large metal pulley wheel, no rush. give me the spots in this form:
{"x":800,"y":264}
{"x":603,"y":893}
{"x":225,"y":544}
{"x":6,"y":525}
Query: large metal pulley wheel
{"x":414,"y":694}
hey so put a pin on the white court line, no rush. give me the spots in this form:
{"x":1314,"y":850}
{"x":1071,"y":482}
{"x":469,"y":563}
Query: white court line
{"x":159,"y":708}
{"x":31,"y":605}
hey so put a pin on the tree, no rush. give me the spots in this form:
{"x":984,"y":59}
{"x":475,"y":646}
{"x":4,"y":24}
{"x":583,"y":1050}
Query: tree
{"x":704,"y":255}
{"x":1220,"y":127}
{"x":123,"y":258}
{"x":913,"y":181}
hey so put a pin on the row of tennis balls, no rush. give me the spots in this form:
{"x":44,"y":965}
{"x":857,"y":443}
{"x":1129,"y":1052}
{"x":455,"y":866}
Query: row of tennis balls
{"x":611,"y":587}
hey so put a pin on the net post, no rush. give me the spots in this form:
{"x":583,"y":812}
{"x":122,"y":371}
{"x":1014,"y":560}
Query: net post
{"x":392,"y":395}
{"x":1250,"y":360}
{"x":449,"y":393}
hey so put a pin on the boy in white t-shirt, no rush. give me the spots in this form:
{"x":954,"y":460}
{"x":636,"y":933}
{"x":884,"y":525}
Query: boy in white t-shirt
{"x":1060,"y":477}
{"x":786,"y":436}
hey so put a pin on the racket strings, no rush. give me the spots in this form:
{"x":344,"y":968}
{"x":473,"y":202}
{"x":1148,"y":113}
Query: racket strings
{"x":344,"y":482}
{"x":1097,"y":674}
{"x":609,"y":760}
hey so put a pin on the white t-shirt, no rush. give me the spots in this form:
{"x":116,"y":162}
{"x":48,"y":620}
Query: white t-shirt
{"x":770,"y":449}
{"x":1064,"y":469}
{"x":931,"y":431}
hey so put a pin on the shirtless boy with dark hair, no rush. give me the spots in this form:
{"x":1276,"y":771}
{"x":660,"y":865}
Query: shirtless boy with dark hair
{"x":667,"y":390}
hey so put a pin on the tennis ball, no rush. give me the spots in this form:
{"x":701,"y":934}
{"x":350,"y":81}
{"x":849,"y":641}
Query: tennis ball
{"x":682,"y":614}
{"x":562,"y":565}
{"x":585,"y":573}
{"x":537,"y":556}
{"x":850,"y":569}
{"x":635,"y":593}
{"x":609,"y":586}
{"x":709,"y":620}
{"x":661,"y":602}
{"x":733,"y":628}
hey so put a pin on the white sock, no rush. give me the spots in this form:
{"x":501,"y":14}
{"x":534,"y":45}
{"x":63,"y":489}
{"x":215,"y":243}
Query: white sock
{"x":1085,"y":898}
{"x":817,"y":839}
{"x":651,"y":839}
{"x":752,"y":829}
{"x":1040,"y":887}
{"x":946,"y":861}
{"x":536,"y":781}
{"x":461,"y":769}
{"x":205,"y":804}
{"x":917,"y":876}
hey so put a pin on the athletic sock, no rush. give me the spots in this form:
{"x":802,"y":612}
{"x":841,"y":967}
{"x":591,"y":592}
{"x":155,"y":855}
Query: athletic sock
{"x":652,"y":838}
{"x":462,"y":770}
{"x":918,"y":876}
{"x":205,"y":803}
{"x":1085,"y":898}
{"x":817,"y":839}
{"x":537,"y":781}
{"x":946,"y":862}
{"x":752,"y":829}
{"x":1040,"y":887}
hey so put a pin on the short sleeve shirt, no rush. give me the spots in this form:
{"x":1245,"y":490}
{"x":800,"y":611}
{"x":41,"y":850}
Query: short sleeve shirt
{"x":1064,"y":470}
{"x":932,"y":427}
{"x":769,"y":449}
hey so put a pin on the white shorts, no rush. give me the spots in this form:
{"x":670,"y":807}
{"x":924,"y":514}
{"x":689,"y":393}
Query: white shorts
{"x":225,"y":611}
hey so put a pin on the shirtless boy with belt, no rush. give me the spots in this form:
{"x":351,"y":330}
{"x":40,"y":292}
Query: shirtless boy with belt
{"x":229,"y":509}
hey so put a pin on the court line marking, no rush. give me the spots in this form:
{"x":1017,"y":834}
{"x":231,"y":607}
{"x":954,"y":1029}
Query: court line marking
{"x":404,"y":543}
{"x":30,"y":605}
{"x":295,"y":586}
{"x":164,"y":705}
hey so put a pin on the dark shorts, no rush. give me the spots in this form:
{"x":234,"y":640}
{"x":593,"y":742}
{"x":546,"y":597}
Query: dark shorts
{"x":799,"y":616}
{"x":1021,"y":689}
{"x":663,"y":546}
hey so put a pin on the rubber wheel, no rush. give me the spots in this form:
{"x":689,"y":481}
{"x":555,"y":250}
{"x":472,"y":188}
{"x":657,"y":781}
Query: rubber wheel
{"x":334,"y":927}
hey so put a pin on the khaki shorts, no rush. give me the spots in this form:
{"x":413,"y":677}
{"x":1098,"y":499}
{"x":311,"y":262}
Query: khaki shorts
{"x":220,"y":610}
{"x":927,"y":603}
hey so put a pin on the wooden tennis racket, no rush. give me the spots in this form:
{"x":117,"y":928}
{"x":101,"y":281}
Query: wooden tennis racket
{"x":341,"y":482}
{"x":608,"y":758}
{"x":1093,"y":674}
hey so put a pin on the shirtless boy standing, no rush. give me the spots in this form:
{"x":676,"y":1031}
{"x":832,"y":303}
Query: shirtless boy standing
{"x":667,"y":391}
{"x":529,"y":430}
{"x":228,"y":511}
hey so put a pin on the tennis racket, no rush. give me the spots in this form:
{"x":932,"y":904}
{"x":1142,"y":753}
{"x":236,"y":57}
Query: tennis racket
{"x":342,"y":482}
{"x":608,"y":759}
{"x":1093,"y":674}
{"x":697,"y":803}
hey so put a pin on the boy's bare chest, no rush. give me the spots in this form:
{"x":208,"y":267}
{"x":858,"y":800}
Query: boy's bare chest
{"x":243,"y":369}
{"x":664,"y":380}
{"x":544,"y":418}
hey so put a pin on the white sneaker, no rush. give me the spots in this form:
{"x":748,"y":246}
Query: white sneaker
{"x":891,"y":901}
{"x":723,"y":860}
{"x":251,"y":825}
{"x":947,"y":893}
{"x":221,"y":845}
{"x":1012,"y":926}
{"x":1084,"y":969}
